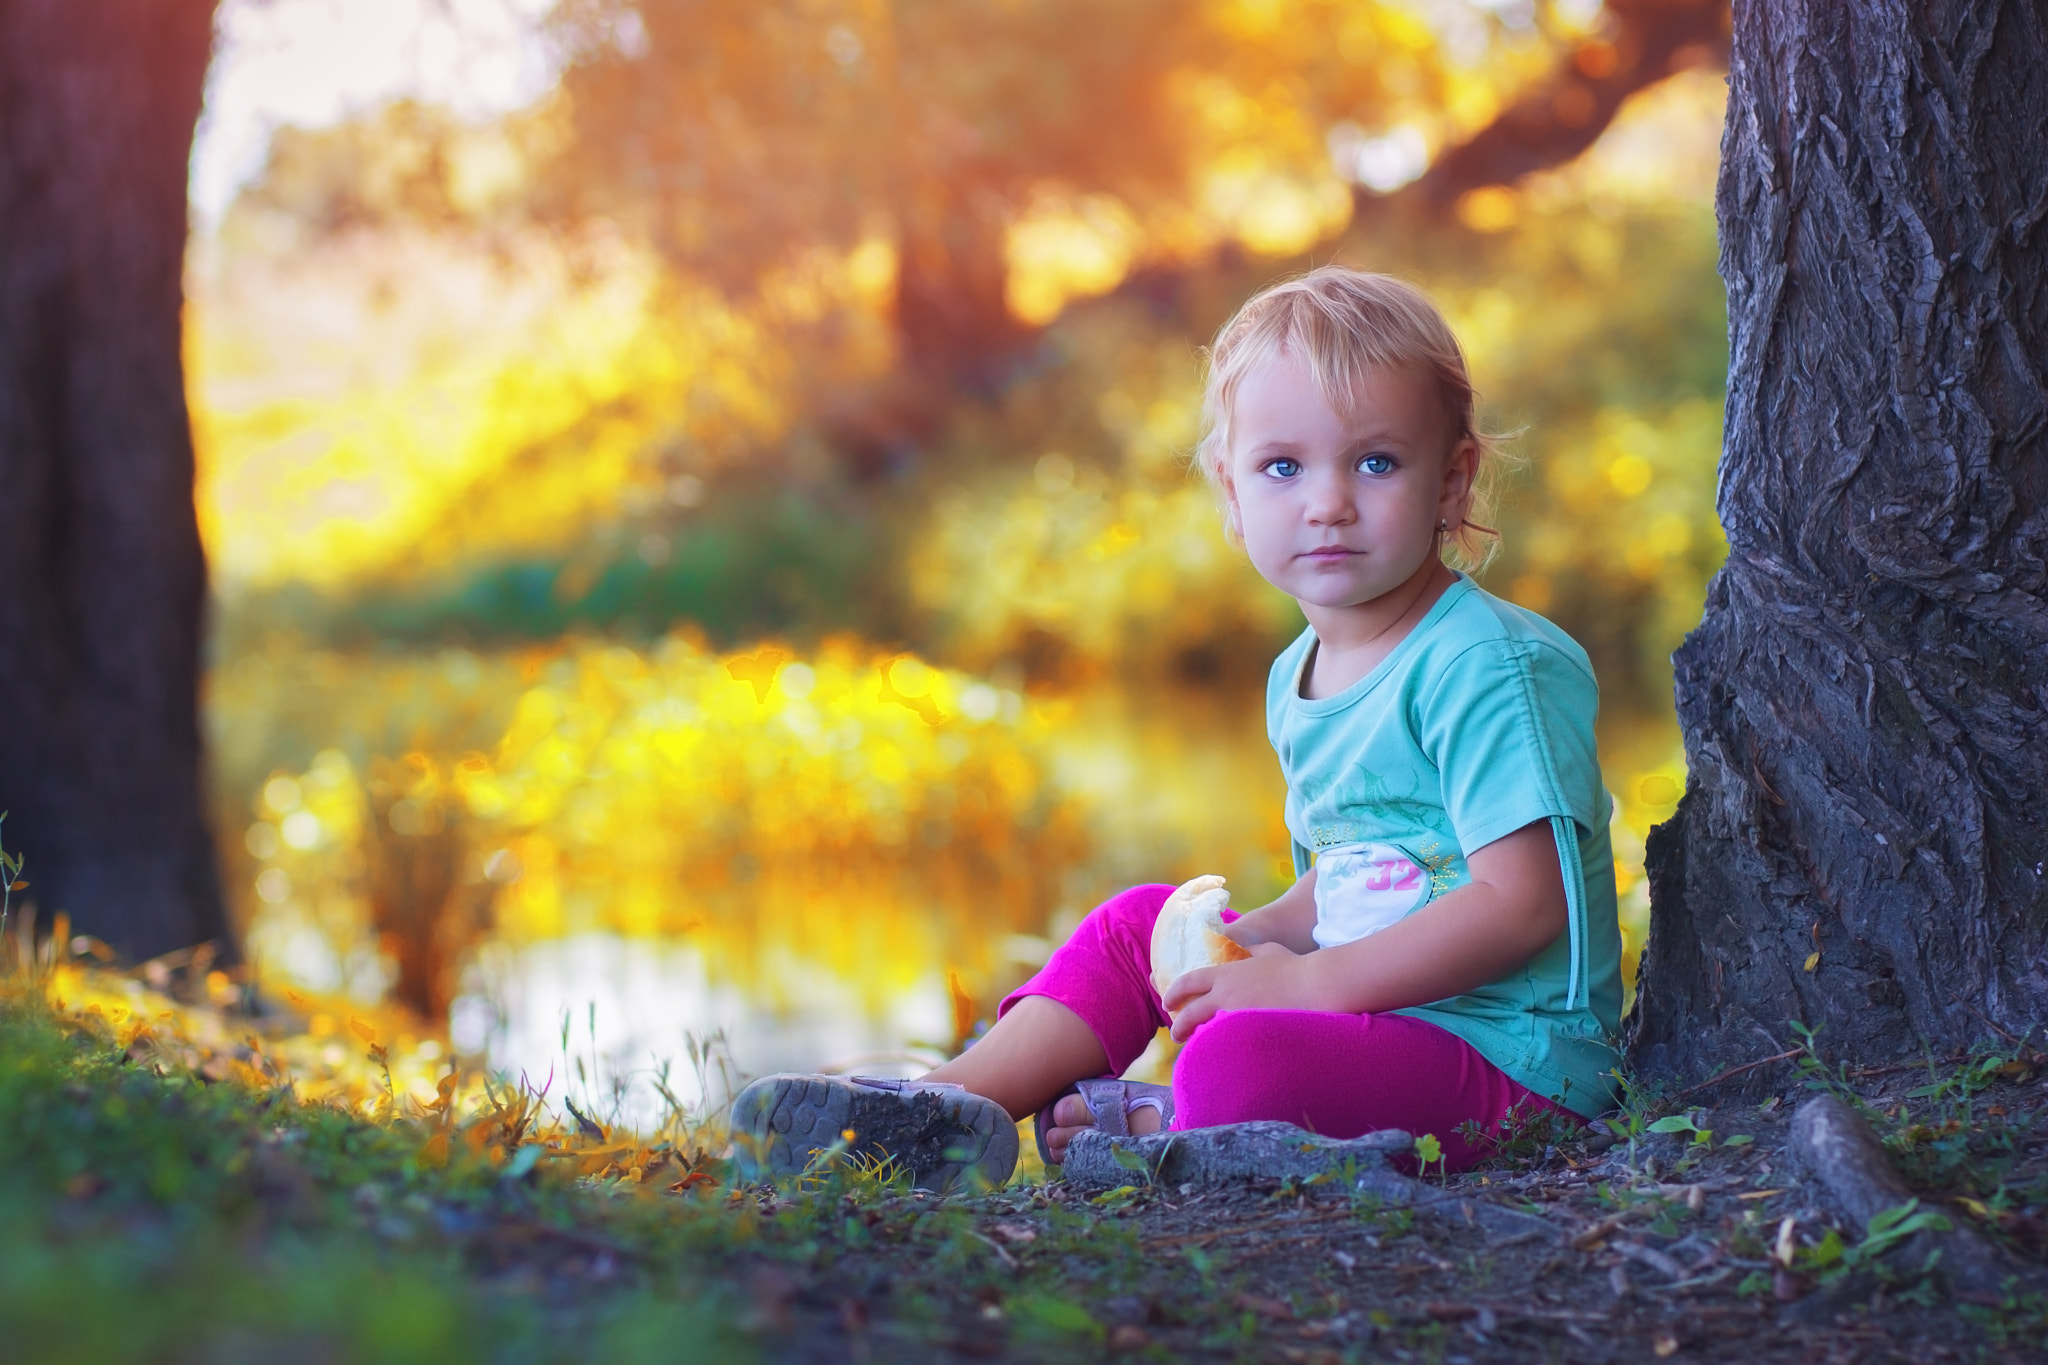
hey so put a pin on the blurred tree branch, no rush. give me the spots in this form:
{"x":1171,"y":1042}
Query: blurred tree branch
{"x":1562,"y":115}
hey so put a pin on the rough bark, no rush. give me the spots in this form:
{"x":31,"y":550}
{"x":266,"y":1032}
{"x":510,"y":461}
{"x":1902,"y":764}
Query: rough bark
{"x":1865,"y":703}
{"x":101,"y":575}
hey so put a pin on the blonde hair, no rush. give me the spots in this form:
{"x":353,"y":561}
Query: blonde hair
{"x":1346,"y":325}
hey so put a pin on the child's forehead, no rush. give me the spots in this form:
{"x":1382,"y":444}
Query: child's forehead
{"x":1355,"y":394}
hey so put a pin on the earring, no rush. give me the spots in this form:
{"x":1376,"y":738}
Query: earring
{"x":1443,"y":526}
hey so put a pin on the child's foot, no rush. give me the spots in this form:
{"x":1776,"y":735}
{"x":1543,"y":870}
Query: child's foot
{"x":939,"y":1133}
{"x":1145,"y":1110}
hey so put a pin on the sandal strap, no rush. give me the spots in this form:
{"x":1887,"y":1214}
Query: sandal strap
{"x":1110,"y":1103}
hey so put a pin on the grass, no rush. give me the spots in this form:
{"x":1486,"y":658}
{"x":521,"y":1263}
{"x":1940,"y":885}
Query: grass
{"x":225,"y":1219}
{"x":176,"y":1188}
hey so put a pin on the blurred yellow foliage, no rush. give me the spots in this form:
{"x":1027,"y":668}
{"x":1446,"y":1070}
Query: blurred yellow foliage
{"x":502,"y":411}
{"x":849,"y":807}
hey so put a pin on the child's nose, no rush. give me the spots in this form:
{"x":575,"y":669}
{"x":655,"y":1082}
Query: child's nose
{"x":1329,"y":499}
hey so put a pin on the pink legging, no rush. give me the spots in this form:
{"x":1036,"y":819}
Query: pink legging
{"x":1336,"y":1074}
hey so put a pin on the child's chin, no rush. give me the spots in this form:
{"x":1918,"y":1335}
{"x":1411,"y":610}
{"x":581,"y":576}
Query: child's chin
{"x":1333,"y":592}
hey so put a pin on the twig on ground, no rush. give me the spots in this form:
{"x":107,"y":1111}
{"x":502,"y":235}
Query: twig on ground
{"x":1005,"y":1257}
{"x":1651,"y":1257}
{"x":1987,"y":1023}
{"x":1737,"y":1071}
{"x":1585,"y":1238}
{"x":1696,"y":1282}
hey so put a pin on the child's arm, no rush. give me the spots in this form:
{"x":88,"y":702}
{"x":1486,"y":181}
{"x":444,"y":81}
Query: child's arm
{"x":1289,"y":920}
{"x":1511,"y":910}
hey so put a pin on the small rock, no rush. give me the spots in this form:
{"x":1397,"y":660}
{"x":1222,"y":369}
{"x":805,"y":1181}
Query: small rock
{"x":1233,"y":1154}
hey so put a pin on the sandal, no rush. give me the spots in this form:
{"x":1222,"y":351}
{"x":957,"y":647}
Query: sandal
{"x":1110,"y":1106}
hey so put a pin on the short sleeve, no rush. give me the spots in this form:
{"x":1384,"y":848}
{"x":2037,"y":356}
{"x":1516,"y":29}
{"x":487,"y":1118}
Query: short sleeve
{"x":1509,"y":726}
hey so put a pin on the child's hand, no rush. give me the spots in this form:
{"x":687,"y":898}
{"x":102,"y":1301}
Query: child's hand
{"x":1247,"y":932}
{"x":1289,"y":921}
{"x":1273,"y":977}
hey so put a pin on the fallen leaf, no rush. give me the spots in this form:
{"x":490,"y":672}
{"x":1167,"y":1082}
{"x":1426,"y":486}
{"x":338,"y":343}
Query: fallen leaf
{"x":1812,"y":961}
{"x":1665,"y":1345}
{"x":434,"y":1151}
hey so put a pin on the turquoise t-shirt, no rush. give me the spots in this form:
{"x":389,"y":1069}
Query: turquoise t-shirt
{"x":1479,"y":723}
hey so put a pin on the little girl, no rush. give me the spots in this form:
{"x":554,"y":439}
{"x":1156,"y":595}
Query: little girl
{"x":1448,"y":958}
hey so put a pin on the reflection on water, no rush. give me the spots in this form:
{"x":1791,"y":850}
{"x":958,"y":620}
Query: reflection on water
{"x":612,"y":1020}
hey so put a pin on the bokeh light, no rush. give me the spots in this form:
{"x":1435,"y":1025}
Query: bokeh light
{"x":614,"y":576}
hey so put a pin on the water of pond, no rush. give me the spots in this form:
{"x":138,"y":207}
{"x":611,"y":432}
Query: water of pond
{"x":843,"y":958}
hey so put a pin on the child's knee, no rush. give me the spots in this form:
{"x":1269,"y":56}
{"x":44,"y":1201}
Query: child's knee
{"x":1133,"y":911}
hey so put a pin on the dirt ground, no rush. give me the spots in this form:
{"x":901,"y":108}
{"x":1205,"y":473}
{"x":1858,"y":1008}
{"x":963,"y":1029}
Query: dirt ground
{"x":1670,"y":1247}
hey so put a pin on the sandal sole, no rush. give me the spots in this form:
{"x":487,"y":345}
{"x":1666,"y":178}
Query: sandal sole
{"x":942,"y":1137}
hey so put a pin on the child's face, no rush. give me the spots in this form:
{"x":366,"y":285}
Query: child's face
{"x":1338,"y":511}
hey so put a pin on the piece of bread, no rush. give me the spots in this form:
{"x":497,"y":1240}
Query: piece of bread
{"x":1189,"y":932}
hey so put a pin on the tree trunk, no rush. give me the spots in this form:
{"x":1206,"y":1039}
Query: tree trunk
{"x":102,"y":580}
{"x":1865,"y":704}
{"x":952,"y":313}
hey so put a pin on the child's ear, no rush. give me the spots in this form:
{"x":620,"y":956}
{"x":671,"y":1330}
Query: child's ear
{"x":1233,"y":522}
{"x":1461,"y":469}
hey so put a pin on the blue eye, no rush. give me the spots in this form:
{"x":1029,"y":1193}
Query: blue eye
{"x":1377,"y":464}
{"x":1283,"y":468}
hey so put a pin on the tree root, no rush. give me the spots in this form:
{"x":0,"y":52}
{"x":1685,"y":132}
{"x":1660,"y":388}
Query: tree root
{"x":1837,"y":1147}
